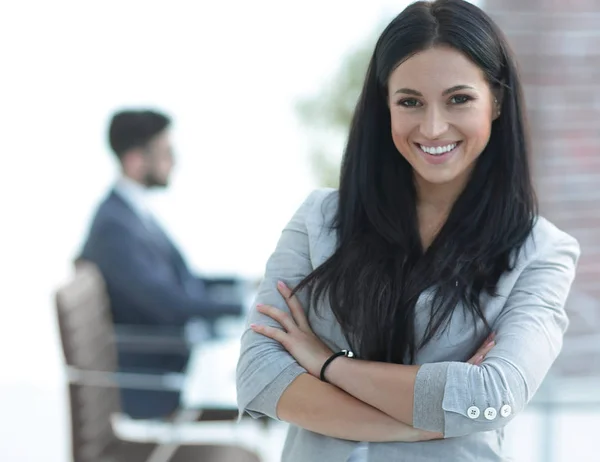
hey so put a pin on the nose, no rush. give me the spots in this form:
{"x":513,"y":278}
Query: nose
{"x":434,"y":124}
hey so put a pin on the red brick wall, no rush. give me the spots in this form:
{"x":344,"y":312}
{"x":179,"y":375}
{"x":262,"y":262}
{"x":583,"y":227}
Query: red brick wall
{"x":557,"y":43}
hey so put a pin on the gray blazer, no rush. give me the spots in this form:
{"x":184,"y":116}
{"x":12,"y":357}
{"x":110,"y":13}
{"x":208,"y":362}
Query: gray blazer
{"x":451,"y":396}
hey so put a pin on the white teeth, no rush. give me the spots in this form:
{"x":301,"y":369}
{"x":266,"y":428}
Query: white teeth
{"x":439,"y":150}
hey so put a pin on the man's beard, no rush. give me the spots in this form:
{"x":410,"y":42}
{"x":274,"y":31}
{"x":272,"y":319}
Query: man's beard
{"x":151,"y":181}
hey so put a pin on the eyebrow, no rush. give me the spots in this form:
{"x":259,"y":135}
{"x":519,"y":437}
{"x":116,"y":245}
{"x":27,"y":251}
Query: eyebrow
{"x":410,"y":91}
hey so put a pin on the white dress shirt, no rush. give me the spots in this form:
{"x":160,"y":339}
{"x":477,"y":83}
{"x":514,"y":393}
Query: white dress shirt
{"x":136,"y":196}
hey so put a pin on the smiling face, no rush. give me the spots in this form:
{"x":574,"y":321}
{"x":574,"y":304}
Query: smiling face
{"x":441,"y":109}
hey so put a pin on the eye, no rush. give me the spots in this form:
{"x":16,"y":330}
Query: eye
{"x":460,"y":99}
{"x":409,"y":102}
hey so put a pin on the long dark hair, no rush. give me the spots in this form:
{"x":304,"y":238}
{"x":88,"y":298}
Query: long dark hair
{"x":380,"y":269}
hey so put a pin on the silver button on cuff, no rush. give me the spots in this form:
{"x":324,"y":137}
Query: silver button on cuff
{"x":505,"y":410}
{"x":473,"y":412}
{"x":490,"y":413}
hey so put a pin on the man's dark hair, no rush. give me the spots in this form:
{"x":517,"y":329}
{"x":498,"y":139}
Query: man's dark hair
{"x":135,"y":129}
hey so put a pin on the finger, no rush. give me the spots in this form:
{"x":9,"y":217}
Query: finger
{"x":487,"y":343}
{"x":487,"y":348}
{"x":294,"y":305}
{"x":283,"y":318}
{"x":476,"y":360}
{"x":478,"y":357}
{"x":269,"y":331}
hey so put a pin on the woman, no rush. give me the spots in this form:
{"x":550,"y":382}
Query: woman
{"x":432,"y":242}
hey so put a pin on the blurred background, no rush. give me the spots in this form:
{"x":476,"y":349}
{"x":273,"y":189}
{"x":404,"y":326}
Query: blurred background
{"x":261,"y":94}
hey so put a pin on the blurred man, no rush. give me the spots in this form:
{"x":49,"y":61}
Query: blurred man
{"x":148,"y":281}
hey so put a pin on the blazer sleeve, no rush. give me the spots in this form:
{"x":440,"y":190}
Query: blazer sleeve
{"x":265,"y":369}
{"x":130,"y":271}
{"x":459,"y":398}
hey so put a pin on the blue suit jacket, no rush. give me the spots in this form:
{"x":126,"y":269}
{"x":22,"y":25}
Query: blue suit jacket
{"x":149,"y":285}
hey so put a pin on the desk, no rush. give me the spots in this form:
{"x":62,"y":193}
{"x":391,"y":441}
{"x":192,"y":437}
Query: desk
{"x":210,"y":383}
{"x":581,"y":393}
{"x":210,"y":379}
{"x":558,"y":397}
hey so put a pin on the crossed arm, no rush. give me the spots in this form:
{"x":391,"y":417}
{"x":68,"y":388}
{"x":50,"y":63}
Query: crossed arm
{"x":328,"y":409}
{"x":281,"y":357}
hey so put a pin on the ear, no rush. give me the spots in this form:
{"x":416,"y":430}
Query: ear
{"x":498,"y":95}
{"x":133,"y":159}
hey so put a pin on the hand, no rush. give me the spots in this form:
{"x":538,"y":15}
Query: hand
{"x":297,"y":337}
{"x":484,"y":349}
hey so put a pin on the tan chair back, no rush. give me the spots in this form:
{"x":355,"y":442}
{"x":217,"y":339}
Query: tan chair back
{"x":88,"y":344}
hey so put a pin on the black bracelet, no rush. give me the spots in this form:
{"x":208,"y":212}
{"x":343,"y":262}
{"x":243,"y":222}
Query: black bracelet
{"x":346,"y":353}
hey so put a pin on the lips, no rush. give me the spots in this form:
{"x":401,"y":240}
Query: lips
{"x":438,"y":150}
{"x":438,"y":154}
